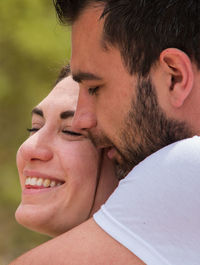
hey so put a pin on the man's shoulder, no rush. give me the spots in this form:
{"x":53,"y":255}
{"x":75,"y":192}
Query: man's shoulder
{"x":184,"y":152}
{"x":163,"y":189}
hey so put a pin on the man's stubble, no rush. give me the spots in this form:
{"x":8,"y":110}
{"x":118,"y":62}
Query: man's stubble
{"x":146,"y":129}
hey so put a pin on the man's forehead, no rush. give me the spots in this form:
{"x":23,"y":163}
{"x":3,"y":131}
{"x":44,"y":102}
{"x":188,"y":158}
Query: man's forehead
{"x":92,"y":10}
{"x":89,"y":21}
{"x":90,"y":53}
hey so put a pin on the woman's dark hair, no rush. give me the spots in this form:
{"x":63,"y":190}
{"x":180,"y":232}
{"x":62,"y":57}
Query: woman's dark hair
{"x":64,"y":72}
{"x":142,"y":29}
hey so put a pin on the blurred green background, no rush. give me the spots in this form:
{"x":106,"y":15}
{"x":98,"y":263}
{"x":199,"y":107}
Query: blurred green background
{"x":33,"y":47}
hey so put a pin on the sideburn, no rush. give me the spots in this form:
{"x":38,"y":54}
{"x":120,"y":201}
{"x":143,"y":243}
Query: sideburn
{"x":147,"y":127}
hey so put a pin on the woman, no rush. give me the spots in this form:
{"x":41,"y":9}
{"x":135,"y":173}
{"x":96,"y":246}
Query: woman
{"x":60,"y":169}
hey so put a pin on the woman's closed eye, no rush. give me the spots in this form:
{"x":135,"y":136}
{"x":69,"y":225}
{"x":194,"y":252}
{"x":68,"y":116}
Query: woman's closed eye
{"x":32,"y":130}
{"x":72,"y":133}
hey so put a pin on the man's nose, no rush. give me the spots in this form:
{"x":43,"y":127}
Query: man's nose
{"x":85,"y":116}
{"x":36,"y":148}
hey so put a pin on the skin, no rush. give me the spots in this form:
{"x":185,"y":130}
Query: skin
{"x":55,"y":152}
{"x":176,"y":80}
{"x":106,"y":72}
{"x":130,"y":127}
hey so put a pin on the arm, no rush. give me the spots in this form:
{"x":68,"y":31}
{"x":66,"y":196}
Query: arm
{"x":154,"y":213}
{"x":86,"y":244}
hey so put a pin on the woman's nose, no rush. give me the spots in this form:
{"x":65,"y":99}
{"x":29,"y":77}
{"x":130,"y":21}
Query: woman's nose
{"x":36,"y":148}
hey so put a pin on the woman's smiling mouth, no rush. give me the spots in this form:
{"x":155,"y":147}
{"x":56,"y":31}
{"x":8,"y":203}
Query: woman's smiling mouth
{"x":41,"y":183}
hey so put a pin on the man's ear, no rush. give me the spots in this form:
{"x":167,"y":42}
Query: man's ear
{"x":178,"y":65}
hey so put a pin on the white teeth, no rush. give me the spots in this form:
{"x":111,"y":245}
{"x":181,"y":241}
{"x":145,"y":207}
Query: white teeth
{"x":33,"y":181}
{"x":46,"y":183}
{"x":53,"y":183}
{"x":40,"y":182}
{"x":27,"y":181}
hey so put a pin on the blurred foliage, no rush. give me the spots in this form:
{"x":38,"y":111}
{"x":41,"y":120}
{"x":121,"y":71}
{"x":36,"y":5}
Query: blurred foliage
{"x":33,"y":48}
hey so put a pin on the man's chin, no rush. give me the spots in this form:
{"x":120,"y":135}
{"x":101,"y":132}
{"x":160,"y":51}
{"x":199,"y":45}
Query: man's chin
{"x":121,"y":169}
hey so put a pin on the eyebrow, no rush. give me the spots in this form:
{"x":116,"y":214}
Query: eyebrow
{"x":63,"y":115}
{"x":85,"y":76}
{"x":67,"y":114}
{"x":37,"y":111}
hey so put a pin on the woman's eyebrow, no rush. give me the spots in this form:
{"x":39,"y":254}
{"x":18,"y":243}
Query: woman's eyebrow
{"x":37,"y":111}
{"x":67,"y":114}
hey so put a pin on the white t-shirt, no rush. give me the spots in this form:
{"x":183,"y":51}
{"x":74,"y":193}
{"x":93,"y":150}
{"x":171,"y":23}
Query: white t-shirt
{"x":155,"y":211}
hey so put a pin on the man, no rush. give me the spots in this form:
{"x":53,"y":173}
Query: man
{"x":137,"y":63}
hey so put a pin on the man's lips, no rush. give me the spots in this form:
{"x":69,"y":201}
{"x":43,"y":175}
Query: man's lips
{"x":111,"y":152}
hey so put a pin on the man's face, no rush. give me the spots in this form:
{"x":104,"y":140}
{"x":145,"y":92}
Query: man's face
{"x":113,"y":106}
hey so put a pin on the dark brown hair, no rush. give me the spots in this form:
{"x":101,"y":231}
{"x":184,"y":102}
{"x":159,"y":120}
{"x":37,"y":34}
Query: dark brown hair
{"x":142,"y":29}
{"x":64,"y":72}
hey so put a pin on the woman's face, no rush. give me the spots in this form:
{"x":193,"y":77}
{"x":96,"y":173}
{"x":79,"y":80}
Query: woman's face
{"x":57,"y":166}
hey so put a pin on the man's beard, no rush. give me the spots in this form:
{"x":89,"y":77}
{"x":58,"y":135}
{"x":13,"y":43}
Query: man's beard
{"x":146,"y":129}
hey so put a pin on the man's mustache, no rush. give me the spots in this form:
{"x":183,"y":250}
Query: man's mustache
{"x":100,"y":140}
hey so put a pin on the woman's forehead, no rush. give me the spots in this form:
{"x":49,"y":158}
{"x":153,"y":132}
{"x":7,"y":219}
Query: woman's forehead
{"x":64,"y":94}
{"x":67,"y":85}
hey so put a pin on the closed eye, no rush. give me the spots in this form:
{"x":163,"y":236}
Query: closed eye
{"x":32,"y":130}
{"x":93,"y":90}
{"x":71,"y":133}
